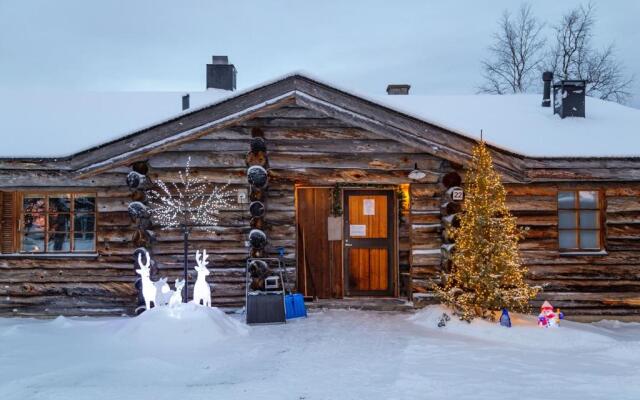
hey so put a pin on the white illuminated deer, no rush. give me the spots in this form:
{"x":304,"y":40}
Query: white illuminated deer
{"x":201,"y":289}
{"x":163,"y":292}
{"x":148,"y":288}
{"x":176,"y":296}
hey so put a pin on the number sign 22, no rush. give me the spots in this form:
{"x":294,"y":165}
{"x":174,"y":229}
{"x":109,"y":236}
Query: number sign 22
{"x":457,"y":195}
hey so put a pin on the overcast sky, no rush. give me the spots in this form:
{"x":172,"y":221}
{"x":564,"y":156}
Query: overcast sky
{"x":436,"y":46}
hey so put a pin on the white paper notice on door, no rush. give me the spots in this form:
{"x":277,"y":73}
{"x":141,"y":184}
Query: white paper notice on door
{"x":357,"y":230}
{"x":369,"y":207}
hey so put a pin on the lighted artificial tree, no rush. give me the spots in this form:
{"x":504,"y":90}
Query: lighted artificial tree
{"x":486,"y":274}
{"x":189,"y":203}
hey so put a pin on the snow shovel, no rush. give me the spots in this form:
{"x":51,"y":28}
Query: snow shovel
{"x":293,"y":302}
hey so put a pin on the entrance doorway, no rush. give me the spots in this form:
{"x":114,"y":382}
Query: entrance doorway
{"x":361,"y":258}
{"x":369,"y":242}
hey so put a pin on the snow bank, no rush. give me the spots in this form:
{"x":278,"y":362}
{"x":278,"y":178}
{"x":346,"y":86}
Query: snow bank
{"x":524,"y":331}
{"x":190,"y":325}
{"x":333,"y":354}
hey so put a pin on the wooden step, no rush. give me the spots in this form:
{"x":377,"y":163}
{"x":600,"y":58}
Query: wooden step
{"x":362,"y":303}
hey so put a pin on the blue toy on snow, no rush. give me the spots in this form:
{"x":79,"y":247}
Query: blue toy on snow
{"x":505,"y":320}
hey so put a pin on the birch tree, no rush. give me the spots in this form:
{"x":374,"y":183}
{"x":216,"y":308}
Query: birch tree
{"x":516,"y":55}
{"x":574,"y":56}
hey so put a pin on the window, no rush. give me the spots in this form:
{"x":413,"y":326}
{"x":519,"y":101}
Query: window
{"x":57,"y":223}
{"x":579,"y":220}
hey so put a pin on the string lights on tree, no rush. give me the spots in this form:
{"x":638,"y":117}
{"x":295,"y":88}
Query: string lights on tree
{"x":486,"y":274}
{"x":187,"y":204}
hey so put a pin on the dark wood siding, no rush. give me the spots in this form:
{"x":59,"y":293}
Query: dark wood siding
{"x":78,"y":285}
{"x":306,"y":148}
{"x":586,"y":286}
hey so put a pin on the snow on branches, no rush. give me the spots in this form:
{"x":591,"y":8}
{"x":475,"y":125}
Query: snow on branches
{"x":191,"y":202}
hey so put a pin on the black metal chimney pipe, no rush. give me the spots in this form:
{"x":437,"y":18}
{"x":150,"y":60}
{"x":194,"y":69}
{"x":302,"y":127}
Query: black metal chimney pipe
{"x":221,"y":74}
{"x":547,"y":77}
{"x":398,"y":89}
{"x":185,"y":101}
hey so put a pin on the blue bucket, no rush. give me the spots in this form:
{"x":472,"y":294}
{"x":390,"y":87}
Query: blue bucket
{"x":294,"y":306}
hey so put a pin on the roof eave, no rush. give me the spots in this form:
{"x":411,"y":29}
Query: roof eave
{"x":303,"y":91}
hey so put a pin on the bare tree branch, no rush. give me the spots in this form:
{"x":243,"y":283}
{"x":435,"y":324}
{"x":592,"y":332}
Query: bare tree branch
{"x":516,"y":54}
{"x":573,"y":56}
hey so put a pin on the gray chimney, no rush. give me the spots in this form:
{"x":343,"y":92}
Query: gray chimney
{"x":569,"y":98}
{"x":398,"y":89}
{"x":221,"y":74}
{"x":185,"y":101}
{"x":547,"y":77}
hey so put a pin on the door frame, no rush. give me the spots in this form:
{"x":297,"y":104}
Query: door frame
{"x":392,"y":253}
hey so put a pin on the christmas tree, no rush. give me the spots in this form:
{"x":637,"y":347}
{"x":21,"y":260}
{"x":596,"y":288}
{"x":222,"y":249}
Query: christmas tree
{"x":486,"y":274}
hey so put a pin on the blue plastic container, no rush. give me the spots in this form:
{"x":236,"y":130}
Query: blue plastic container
{"x":294,"y":306}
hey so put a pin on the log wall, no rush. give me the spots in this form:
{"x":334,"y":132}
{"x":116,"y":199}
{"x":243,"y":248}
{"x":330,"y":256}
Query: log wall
{"x":304,"y":148}
{"x":100,"y":284}
{"x":426,"y":239}
{"x":586,"y":286}
{"x":307,"y":148}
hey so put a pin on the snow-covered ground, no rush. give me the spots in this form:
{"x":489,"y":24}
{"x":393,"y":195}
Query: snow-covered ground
{"x":193,"y":353}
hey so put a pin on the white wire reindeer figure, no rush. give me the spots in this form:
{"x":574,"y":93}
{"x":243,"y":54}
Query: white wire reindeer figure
{"x":148,"y":287}
{"x":163,"y":292}
{"x":176,"y":295}
{"x":201,"y":289}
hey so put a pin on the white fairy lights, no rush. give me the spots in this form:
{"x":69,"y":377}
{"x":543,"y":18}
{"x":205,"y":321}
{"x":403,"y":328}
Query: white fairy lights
{"x":188,"y":203}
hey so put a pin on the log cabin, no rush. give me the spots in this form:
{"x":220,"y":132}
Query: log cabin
{"x":359,"y":190}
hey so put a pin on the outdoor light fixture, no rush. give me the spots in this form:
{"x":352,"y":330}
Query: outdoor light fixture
{"x":243,"y":196}
{"x":416,"y":174}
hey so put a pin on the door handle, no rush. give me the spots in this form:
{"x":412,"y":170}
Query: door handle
{"x":348,"y":245}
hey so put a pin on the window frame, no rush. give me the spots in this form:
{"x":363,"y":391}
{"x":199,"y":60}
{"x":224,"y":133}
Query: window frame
{"x":47,"y":214}
{"x":576,"y":208}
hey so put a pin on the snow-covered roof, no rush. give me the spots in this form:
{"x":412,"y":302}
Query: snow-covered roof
{"x":47,"y":124}
{"x":520,"y":124}
{"x":59,"y":124}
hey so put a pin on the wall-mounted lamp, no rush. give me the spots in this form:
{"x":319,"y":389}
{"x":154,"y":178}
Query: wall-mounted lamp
{"x":243,"y":196}
{"x":416,"y":174}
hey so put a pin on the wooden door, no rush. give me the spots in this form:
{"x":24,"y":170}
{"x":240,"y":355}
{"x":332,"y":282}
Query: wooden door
{"x":319,"y":260}
{"x":369,"y":242}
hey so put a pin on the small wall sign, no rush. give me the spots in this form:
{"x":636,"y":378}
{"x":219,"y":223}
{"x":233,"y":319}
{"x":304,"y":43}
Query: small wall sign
{"x":334,"y":228}
{"x":369,"y":207}
{"x":357,"y":230}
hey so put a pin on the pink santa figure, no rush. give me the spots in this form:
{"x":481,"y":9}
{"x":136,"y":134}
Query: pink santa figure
{"x":547,"y":317}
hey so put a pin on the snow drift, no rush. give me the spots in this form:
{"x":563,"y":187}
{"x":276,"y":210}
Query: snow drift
{"x":198,"y":353}
{"x":524,"y":332}
{"x":189,"y":324}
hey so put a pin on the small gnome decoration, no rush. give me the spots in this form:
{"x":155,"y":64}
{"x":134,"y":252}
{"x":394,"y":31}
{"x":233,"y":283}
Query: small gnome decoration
{"x":547,"y":317}
{"x":444,"y":318}
{"x":505,"y":320}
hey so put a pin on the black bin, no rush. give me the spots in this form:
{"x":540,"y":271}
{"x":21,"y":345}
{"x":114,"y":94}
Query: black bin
{"x":265,"y":308}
